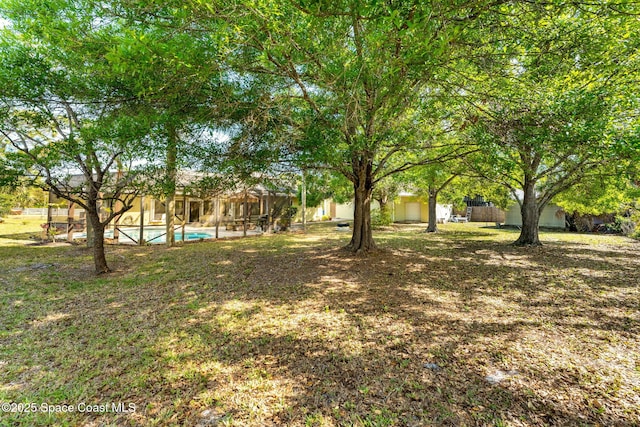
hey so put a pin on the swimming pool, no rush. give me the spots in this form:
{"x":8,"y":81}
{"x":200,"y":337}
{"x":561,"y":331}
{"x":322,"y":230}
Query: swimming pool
{"x":151,"y":235}
{"x":159,"y":236}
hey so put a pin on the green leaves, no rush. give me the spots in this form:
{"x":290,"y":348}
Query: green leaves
{"x":550,"y":114}
{"x":365,"y":88}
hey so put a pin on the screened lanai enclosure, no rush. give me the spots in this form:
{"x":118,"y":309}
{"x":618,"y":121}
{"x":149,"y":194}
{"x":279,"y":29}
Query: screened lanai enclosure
{"x":241,"y":212}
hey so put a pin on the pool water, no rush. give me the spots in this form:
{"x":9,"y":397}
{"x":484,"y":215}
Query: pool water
{"x":153,"y":236}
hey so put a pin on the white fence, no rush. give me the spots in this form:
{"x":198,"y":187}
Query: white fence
{"x":43,"y":212}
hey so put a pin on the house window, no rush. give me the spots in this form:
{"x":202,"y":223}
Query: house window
{"x":159,"y":210}
{"x":208,"y":207}
{"x":180,"y":208}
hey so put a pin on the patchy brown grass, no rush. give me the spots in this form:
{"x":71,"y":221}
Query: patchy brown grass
{"x":457,"y":328}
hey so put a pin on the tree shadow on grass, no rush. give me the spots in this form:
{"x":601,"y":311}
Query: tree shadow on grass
{"x":382,"y":382}
{"x":394,"y":330}
{"x":329,"y":337}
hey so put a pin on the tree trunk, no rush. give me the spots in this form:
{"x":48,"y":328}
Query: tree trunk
{"x":70,"y":220}
{"x":217,"y":215}
{"x":383,"y":201}
{"x":530,"y":212}
{"x":269,"y":218}
{"x":90,"y":235}
{"x":433,"y":220}
{"x":170,"y":215}
{"x":99,"y":258}
{"x":170,"y":194}
{"x":384,"y":204}
{"x":141,"y":239}
{"x":362,"y":238}
{"x":244,"y":214}
{"x":304,"y":202}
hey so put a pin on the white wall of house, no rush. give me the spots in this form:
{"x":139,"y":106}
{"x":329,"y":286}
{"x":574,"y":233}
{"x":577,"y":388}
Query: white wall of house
{"x":444,"y":212}
{"x":404,"y":208}
{"x":345,"y":210}
{"x":316,"y":214}
{"x":132,"y":216}
{"x":409,"y":208}
{"x":552,"y":216}
{"x":313,"y":214}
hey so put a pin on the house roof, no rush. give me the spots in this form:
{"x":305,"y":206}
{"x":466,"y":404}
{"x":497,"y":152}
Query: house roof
{"x":186,"y":179}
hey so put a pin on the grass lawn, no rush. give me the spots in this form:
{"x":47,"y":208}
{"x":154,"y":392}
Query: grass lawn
{"x":456,"y":328}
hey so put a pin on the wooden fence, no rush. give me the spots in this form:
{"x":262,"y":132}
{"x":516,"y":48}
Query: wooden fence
{"x":487,"y":214}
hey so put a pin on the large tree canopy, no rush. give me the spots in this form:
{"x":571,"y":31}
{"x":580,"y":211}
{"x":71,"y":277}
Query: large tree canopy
{"x":180,"y":85}
{"x":367,"y":89}
{"x":356,"y":83}
{"x":64,"y":114}
{"x":356,"y":80}
{"x":553,"y":111}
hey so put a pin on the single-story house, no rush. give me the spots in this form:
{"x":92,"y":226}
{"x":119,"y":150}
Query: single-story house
{"x":552,"y":216}
{"x":327,"y":209}
{"x":199,"y":210}
{"x":407,"y":207}
{"x":345,"y":210}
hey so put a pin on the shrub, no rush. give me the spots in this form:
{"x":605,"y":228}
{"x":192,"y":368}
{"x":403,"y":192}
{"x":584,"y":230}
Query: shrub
{"x":379,"y":218}
{"x":630,"y":222}
{"x":287,"y":218}
{"x":6,"y":203}
{"x":625,"y":225}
